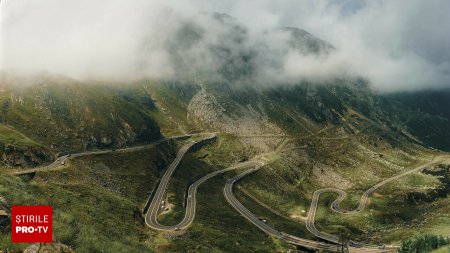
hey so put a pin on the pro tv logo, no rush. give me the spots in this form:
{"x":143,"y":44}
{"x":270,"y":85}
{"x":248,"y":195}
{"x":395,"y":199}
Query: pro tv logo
{"x":31,"y":224}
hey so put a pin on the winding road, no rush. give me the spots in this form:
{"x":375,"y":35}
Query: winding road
{"x":151,"y":215}
{"x":234,"y":202}
{"x":157,"y":204}
{"x":62,"y":160}
{"x":335,"y":205}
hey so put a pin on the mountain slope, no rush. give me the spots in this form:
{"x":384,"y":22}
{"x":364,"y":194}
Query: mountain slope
{"x":312,"y":135}
{"x":66,"y":115}
{"x":427,"y":115}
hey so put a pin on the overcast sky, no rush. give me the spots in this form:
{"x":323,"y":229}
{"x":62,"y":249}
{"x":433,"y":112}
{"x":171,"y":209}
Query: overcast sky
{"x":396,"y":44}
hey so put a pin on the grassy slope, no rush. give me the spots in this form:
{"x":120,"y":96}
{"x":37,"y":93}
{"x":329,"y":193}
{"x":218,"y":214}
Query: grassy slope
{"x":215,"y":218}
{"x":17,"y":149}
{"x":97,"y":200}
{"x":10,"y":136}
{"x":445,"y":249}
{"x":172,"y":100}
{"x":217,"y":226}
{"x":287,"y":184}
{"x":70,"y":115}
{"x":428,"y":115}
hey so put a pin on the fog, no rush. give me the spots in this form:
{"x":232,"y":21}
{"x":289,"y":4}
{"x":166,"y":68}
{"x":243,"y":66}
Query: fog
{"x":396,"y":45}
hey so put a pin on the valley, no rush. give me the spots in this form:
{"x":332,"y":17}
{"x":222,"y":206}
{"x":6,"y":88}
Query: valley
{"x":296,"y":155}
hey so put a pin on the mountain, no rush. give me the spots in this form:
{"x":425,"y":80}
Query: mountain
{"x":45,"y":115}
{"x":307,"y":43}
{"x":427,"y":115}
{"x":311,"y":135}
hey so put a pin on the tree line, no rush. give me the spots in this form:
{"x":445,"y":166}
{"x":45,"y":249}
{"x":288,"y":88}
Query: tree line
{"x":423,"y":243}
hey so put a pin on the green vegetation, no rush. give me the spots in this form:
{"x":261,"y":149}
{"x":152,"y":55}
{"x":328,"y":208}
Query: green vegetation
{"x":444,"y":249}
{"x":173,"y":100}
{"x":214,"y":220}
{"x":71,"y":116}
{"x":339,"y":136}
{"x":15,"y":138}
{"x":187,"y":172}
{"x":423,"y":243}
{"x":97,"y":200}
{"x":281,"y":223}
{"x":426,"y":112}
{"x":18,"y":150}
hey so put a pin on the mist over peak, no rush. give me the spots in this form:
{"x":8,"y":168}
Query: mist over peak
{"x":257,"y":41}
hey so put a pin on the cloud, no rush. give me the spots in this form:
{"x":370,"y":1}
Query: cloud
{"x":395,"y":44}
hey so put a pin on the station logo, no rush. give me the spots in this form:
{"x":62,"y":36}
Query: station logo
{"x":31,"y":223}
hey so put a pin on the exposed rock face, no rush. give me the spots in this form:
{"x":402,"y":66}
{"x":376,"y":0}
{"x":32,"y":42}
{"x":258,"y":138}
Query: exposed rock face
{"x":327,"y":177}
{"x":12,"y":156}
{"x":205,"y":108}
{"x":4,"y":215}
{"x":247,"y":121}
{"x":49,"y":248}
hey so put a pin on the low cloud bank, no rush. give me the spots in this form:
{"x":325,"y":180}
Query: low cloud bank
{"x":395,"y":44}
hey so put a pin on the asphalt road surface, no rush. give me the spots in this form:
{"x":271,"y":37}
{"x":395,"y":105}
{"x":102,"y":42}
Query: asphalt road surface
{"x":229,"y":196}
{"x":191,"y":202}
{"x":156,"y":205}
{"x":335,"y":205}
{"x":62,"y":160}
